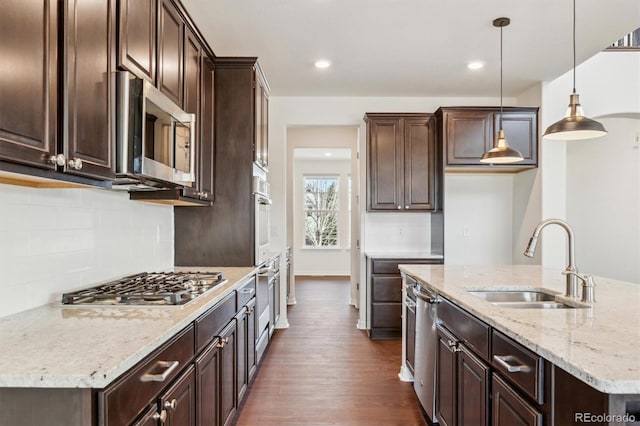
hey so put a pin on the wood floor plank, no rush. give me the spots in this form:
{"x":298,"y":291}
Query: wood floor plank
{"x":322,"y":370}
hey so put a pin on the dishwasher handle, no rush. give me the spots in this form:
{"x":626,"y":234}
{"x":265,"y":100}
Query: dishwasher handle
{"x":427,"y":297}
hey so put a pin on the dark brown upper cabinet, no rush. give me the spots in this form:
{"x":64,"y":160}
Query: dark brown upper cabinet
{"x":170,"y":51}
{"x":88,"y":88}
{"x":468,"y":132}
{"x":261,"y":151}
{"x":206,"y":152}
{"x":137,"y":37}
{"x":401,"y":166}
{"x":29,"y":94}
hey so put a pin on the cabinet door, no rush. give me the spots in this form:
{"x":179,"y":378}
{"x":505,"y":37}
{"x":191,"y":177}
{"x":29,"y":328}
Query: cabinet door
{"x":251,"y":339}
{"x":473,"y":389}
{"x":29,"y":97}
{"x":89,"y":88}
{"x":410,"y":345}
{"x":242,"y":381}
{"x":137,"y":37}
{"x":179,"y":401}
{"x":228,"y":367}
{"x":509,"y":408}
{"x":149,"y":418}
{"x":261,"y":122}
{"x":208,"y":385}
{"x":206,"y":161}
{"x":385,"y":173}
{"x":521,"y":130}
{"x":468,"y":135}
{"x":419,"y":170}
{"x":276,"y":298}
{"x":446,"y":380}
{"x":192,"y":57}
{"x":170,"y":43}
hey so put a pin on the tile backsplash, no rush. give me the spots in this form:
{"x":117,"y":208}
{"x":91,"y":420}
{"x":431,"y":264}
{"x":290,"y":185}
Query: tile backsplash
{"x":56,"y":240}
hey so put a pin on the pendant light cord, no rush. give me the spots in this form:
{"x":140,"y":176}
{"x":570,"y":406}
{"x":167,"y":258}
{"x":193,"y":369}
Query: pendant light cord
{"x":501,"y":77}
{"x":574,"y":46}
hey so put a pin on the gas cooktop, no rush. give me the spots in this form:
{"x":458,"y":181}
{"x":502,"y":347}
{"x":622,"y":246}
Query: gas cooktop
{"x":153,"y":288}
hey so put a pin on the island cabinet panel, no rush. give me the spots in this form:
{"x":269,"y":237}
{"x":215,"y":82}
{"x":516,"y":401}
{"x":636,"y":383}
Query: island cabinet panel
{"x":446,"y":383}
{"x":510,"y":409}
{"x":137,"y":37}
{"x":170,"y":51}
{"x":465,"y":327}
{"x":228,"y":374}
{"x":468,"y":132}
{"x":89,"y":89}
{"x":29,"y":99}
{"x":472,"y":389}
{"x":401,"y":165}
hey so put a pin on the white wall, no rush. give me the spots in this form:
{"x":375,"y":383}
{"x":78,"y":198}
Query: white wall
{"x":56,"y":240}
{"x":603,"y":200}
{"x":321,"y":261}
{"x":478,"y":226}
{"x":609,"y":85}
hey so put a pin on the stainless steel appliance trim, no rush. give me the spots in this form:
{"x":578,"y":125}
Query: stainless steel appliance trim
{"x":425,"y":347}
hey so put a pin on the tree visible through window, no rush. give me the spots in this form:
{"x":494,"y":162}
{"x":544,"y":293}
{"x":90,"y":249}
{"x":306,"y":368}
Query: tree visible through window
{"x":321,"y":211}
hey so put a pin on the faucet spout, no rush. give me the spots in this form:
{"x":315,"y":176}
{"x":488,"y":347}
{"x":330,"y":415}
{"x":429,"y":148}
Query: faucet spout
{"x":572,"y":282}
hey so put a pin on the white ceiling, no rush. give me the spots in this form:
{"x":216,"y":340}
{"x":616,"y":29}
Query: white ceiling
{"x":322,"y":154}
{"x":409,"y":47}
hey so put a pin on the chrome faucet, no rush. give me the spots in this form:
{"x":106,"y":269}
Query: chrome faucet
{"x":571,"y":270}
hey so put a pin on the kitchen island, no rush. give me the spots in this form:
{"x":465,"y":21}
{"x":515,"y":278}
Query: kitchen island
{"x":597,"y":345}
{"x":87,"y":365}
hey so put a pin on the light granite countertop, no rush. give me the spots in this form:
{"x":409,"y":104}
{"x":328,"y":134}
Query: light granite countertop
{"x":66,"y":346}
{"x":599,"y":345}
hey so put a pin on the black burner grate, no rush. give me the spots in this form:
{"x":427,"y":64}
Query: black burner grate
{"x":154,"y":288}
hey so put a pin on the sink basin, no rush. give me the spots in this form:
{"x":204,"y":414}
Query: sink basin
{"x":523,"y":299}
{"x":501,"y":296}
{"x":534,"y":305}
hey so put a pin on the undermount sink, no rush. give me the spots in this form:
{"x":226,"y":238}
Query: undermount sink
{"x":522,"y":299}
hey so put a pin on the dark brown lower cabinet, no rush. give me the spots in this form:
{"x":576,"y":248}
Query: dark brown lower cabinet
{"x":510,"y":409}
{"x":462,"y":384}
{"x":446,"y":378}
{"x":473,"y":389}
{"x":207,"y":380}
{"x":180,"y":400}
{"x":149,"y":418}
{"x":242,"y":378}
{"x":411,"y":335}
{"x":251,"y":339}
{"x":228,"y":368}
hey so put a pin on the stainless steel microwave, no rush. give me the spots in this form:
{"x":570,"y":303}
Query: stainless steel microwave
{"x":155,"y":138}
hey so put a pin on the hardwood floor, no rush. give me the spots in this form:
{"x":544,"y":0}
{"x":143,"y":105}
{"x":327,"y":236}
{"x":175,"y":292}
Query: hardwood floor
{"x":324,"y":371}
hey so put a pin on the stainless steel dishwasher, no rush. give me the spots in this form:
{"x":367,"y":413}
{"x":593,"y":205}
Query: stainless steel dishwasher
{"x":424,"y":375}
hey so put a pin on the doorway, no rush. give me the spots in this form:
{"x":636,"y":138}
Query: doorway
{"x":322,"y":204}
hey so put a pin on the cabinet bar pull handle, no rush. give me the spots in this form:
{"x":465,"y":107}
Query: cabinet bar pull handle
{"x":247,"y":290}
{"x":169,"y":365}
{"x":503,"y":362}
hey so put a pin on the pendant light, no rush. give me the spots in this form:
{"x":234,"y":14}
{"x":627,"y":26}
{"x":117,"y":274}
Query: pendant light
{"x":574,"y":125}
{"x":501,"y":153}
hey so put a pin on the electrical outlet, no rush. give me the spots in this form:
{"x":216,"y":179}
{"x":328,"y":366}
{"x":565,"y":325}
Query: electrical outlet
{"x":466,"y":232}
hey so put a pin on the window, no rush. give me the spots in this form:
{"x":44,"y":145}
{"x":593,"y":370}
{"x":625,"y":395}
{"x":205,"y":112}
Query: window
{"x":321,"y":211}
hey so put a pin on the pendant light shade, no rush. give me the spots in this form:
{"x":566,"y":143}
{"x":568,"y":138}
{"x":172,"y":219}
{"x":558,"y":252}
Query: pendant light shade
{"x":574,"y":125}
{"x":501,"y":153}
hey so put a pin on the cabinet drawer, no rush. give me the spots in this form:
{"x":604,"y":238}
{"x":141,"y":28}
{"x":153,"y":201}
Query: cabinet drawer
{"x":386,"y":315}
{"x":511,"y":409}
{"x":465,"y":327}
{"x":386,"y":289}
{"x":528,"y":367}
{"x":246,"y":292}
{"x":390,"y":266}
{"x":133,"y":392}
{"x":214,"y":320}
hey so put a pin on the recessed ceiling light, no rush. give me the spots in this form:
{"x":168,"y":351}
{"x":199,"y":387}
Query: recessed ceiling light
{"x":327,"y":154}
{"x":475,"y":65}
{"x":322,"y":63}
